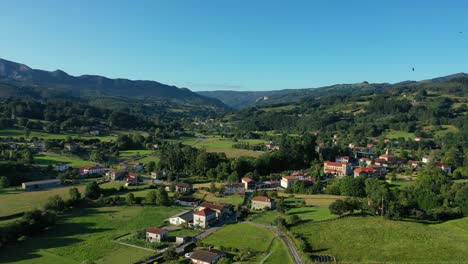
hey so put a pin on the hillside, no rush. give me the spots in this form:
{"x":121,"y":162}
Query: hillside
{"x":20,"y":80}
{"x":245,"y":99}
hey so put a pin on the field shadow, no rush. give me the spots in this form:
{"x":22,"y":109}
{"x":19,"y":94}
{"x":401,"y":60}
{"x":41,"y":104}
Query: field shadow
{"x":58,"y":236}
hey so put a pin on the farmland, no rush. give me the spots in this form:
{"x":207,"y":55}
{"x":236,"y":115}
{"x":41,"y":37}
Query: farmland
{"x":86,"y":234}
{"x":219,"y":144}
{"x":53,"y":159}
{"x":241,"y":236}
{"x":17,"y":201}
{"x":372,"y":239}
{"x":16,"y":133}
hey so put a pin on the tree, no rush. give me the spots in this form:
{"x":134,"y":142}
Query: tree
{"x":162,"y":198}
{"x":337,"y":208}
{"x":213,"y":188}
{"x":151,"y":197}
{"x":170,"y":254}
{"x":92,"y":191}
{"x":4,"y":182}
{"x":55,"y":203}
{"x":130,"y":198}
{"x":75,"y":195}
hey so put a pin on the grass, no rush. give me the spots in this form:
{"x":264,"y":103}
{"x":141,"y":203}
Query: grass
{"x":18,"y":201}
{"x":377,"y":240}
{"x":188,"y":232}
{"x":86,"y":234}
{"x":241,"y":236}
{"x":234,"y":199}
{"x":149,"y":159}
{"x":279,"y":253}
{"x":400,"y":184}
{"x":52,"y":159}
{"x":17,"y":133}
{"x":219,"y":144}
{"x":266,"y":218}
{"x":134,"y":153}
{"x":323,"y":200}
{"x":395,"y":134}
{"x":312,"y":213}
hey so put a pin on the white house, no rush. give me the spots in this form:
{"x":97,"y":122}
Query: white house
{"x":156,"y":234}
{"x":182,"y":218}
{"x":204,"y":218}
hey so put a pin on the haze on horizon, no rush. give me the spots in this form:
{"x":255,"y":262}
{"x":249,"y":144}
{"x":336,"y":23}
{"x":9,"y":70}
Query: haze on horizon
{"x":239,"y":45}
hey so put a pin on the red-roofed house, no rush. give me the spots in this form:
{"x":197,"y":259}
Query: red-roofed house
{"x":381,"y":162}
{"x":248,"y":183}
{"x":220,"y":209}
{"x":336,"y":168}
{"x":183,"y":187}
{"x":445,"y":167}
{"x":156,"y":234}
{"x":132,"y":179}
{"x":262,"y":202}
{"x":204,"y":218}
{"x":364,"y":171}
{"x":288,"y":181}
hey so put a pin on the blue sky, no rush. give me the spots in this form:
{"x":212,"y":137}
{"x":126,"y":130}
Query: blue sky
{"x":239,"y":45}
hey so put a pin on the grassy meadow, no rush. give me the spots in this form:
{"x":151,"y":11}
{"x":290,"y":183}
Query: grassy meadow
{"x":14,"y":201}
{"x":17,"y":133}
{"x":241,"y":236}
{"x":53,"y":159}
{"x":377,"y":240}
{"x":219,"y":144}
{"x":86,"y":234}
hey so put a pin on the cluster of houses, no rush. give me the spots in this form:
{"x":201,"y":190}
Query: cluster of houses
{"x":373,"y":167}
{"x":298,"y":176}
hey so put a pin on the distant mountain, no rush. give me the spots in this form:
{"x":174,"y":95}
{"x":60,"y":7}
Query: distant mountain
{"x":245,"y":99}
{"x":20,"y":80}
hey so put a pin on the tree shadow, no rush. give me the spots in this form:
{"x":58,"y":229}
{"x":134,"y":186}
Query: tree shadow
{"x":58,"y":236}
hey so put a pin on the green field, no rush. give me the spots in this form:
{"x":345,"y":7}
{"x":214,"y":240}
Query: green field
{"x":17,"y":201}
{"x":86,"y":234}
{"x":395,"y":134}
{"x":241,"y":236}
{"x":219,"y":144}
{"x":312,"y":213}
{"x":52,"y":159}
{"x":17,"y":133}
{"x":234,"y":199}
{"x":134,"y":153}
{"x":279,"y":253}
{"x":377,"y":240}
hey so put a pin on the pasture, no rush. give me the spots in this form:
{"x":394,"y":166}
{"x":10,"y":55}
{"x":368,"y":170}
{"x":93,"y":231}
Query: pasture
{"x":53,"y":159}
{"x":234,"y":199}
{"x":86,"y":234}
{"x":219,"y":144}
{"x":377,"y":240}
{"x":314,"y":199}
{"x":18,"y":133}
{"x":241,"y":236}
{"x":14,"y":201}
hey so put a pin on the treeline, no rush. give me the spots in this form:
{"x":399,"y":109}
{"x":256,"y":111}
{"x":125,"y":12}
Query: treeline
{"x":61,"y":115}
{"x":433,"y":196}
{"x":296,"y":152}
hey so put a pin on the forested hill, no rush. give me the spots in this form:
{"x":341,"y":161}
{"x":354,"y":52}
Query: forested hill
{"x":416,"y":109}
{"x":245,"y":99}
{"x":19,"y":80}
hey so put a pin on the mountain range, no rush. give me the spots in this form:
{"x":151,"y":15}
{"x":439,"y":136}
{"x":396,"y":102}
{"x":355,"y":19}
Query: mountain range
{"x":245,"y":99}
{"x":20,"y":80}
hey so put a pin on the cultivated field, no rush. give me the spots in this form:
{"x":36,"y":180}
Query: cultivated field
{"x":86,"y":234}
{"x":17,"y":133}
{"x":234,"y":199}
{"x":377,"y":240}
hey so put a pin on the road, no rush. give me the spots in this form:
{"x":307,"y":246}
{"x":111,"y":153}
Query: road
{"x":292,"y":248}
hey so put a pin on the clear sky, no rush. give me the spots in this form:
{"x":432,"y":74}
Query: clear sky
{"x":239,"y":45}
